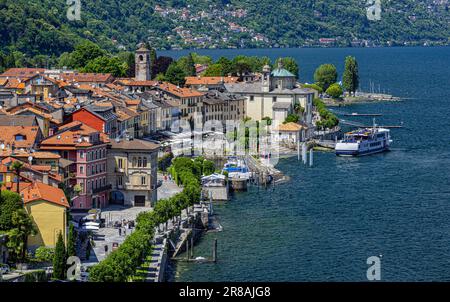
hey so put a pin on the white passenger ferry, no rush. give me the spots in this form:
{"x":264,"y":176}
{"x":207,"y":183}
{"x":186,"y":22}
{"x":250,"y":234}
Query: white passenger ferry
{"x":364,"y":142}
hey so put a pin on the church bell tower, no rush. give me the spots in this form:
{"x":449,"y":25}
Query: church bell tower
{"x":142,"y":64}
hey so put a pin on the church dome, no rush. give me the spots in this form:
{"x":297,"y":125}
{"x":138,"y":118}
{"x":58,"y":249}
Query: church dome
{"x":282,"y":73}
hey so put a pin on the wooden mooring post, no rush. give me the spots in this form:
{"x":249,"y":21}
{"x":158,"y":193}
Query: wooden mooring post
{"x":214,"y":255}
{"x":192,"y":245}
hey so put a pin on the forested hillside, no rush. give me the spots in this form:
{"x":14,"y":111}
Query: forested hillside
{"x":37,"y":30}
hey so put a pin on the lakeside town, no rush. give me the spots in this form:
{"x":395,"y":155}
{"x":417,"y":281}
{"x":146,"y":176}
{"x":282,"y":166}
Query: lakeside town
{"x":101,"y":167}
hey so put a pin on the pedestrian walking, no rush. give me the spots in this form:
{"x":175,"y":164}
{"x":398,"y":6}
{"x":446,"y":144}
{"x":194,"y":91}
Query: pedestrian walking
{"x":120,"y":231}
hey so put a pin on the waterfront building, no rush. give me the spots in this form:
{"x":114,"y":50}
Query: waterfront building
{"x":189,"y":101}
{"x":290,"y":134}
{"x":85,"y":147}
{"x":132,"y":171}
{"x":223,"y":106}
{"x":128,"y":122}
{"x":147,"y":115}
{"x":48,"y":206}
{"x":275,"y":96}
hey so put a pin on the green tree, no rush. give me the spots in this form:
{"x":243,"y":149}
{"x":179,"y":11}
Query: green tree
{"x":17,"y":167}
{"x":59,"y":259}
{"x":325,"y":75}
{"x":214,"y":70}
{"x":153,"y":58}
{"x":175,"y":74}
{"x":107,"y":64}
{"x":71,"y":241}
{"x":290,"y":64}
{"x":203,"y":60}
{"x":226,"y":65}
{"x":313,"y":86}
{"x":268,"y":119}
{"x":129,"y":63}
{"x":208,"y":167}
{"x":292,"y":118}
{"x":9,"y":203}
{"x":44,"y":254}
{"x":335,"y":91}
{"x":187,"y":65}
{"x":351,"y":75}
{"x":18,"y":235}
{"x":84,"y":52}
{"x":241,"y":65}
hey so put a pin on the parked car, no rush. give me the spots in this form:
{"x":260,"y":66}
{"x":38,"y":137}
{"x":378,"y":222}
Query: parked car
{"x":4,"y":268}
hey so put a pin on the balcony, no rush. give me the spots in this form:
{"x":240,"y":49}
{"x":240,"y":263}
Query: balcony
{"x":101,"y":189}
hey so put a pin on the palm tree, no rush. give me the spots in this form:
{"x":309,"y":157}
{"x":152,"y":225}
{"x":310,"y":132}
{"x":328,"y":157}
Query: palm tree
{"x":17,"y":167}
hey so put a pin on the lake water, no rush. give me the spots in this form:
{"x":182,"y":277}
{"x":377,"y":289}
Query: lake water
{"x":326,"y":222}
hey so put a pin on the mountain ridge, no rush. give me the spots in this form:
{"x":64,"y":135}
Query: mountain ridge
{"x":42,"y":28}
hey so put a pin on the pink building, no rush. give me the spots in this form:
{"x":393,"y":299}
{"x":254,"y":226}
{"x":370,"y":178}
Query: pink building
{"x":84,"y":150}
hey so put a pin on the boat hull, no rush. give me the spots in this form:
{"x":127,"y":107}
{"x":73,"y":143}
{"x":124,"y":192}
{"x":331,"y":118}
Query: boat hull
{"x":360,"y":153}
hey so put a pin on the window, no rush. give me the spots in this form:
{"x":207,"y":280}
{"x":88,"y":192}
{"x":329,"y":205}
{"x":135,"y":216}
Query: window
{"x":119,"y":181}
{"x":252,"y":98}
{"x":144,"y":162}
{"x":81,"y":154}
{"x":143,"y":180}
{"x":19,"y":137}
{"x":81,"y":170}
{"x":134,"y":161}
{"x":274,"y":99}
{"x":139,"y":162}
{"x":120,"y":163}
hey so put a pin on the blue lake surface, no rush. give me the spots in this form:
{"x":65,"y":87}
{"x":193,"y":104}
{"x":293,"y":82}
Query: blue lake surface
{"x":326,"y":222}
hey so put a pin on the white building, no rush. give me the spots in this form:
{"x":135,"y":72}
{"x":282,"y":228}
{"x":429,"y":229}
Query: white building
{"x":276,"y":95}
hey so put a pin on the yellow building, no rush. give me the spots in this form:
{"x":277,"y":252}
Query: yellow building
{"x":47,"y":206}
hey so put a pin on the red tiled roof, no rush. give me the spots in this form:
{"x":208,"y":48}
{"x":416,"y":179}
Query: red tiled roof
{"x":71,"y":135}
{"x":87,"y":77}
{"x":141,"y":83}
{"x":210,"y":80}
{"x":179,"y":92}
{"x":40,"y":191}
{"x":21,"y":72}
{"x":29,"y":133}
